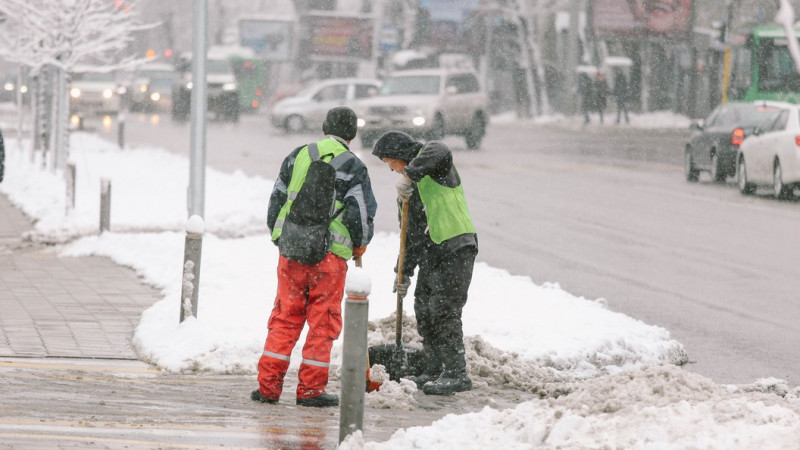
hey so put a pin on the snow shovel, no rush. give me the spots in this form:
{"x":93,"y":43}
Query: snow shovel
{"x":396,"y":358}
{"x":371,"y":385}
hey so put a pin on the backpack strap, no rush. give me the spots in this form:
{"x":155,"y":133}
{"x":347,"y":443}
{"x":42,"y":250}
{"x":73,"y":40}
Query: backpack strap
{"x":313,"y":151}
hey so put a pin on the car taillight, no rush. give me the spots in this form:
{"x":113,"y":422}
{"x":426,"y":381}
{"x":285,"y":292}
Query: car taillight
{"x":797,"y":141}
{"x":737,"y":137}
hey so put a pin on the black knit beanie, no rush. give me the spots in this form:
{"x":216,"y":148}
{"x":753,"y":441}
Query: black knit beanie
{"x":342,"y":122}
{"x":398,"y":145}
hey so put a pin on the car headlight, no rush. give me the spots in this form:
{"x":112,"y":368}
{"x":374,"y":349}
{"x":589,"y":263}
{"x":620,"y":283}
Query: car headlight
{"x":189,"y":85}
{"x":23,"y":89}
{"x":8,"y":86}
{"x":361,"y":122}
{"x":75,"y":92}
{"x":107,"y":93}
{"x":229,"y":87}
{"x":155,"y":96}
{"x":418,"y":121}
{"x":122,"y":90}
{"x":143,"y":88}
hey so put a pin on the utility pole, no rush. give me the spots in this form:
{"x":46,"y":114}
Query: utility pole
{"x":197,"y":163}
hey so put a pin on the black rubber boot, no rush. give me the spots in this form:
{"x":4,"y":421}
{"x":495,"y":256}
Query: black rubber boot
{"x":454,"y":377}
{"x":433,"y":367}
{"x":320,"y":401}
{"x":256,"y":396}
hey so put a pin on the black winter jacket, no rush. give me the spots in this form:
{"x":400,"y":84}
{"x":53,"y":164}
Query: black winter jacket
{"x":353,"y":189}
{"x":434,"y":160}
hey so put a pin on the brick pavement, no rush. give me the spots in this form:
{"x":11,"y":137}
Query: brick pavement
{"x":63,"y":307}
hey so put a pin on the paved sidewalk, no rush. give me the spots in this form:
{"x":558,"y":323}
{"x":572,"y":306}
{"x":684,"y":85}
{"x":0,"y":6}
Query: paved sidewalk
{"x":63,"y":307}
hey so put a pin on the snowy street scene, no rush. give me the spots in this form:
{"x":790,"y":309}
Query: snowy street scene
{"x":635,"y":282}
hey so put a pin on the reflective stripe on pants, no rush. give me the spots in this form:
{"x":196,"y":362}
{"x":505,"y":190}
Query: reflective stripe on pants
{"x":311,"y":293}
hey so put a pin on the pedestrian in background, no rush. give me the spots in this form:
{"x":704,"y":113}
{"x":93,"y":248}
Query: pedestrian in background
{"x":2,"y":157}
{"x":600,"y":94}
{"x":586,"y":96}
{"x":620,"y":93}
{"x":313,"y":292}
{"x":442,"y":241}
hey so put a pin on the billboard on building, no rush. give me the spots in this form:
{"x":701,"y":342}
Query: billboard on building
{"x":270,"y":39}
{"x":447,"y":23}
{"x":642,"y":17}
{"x":338,"y":36}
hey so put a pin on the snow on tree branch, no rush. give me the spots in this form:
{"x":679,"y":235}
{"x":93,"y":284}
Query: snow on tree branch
{"x":66,"y":33}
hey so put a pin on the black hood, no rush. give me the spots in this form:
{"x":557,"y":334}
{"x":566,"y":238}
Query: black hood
{"x":398,"y":145}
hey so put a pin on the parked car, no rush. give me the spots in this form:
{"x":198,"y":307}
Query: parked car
{"x":713,"y":143}
{"x":93,"y":91}
{"x":771,"y":155}
{"x":427,"y":103}
{"x":306,"y":110}
{"x":8,"y":90}
{"x":222,"y":90}
{"x":151,"y":89}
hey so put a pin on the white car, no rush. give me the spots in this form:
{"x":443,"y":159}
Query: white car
{"x":771,"y":155}
{"x":427,"y":103}
{"x":307,"y":109}
{"x":94,"y":92}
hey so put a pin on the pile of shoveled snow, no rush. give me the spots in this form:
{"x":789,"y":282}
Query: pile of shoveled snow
{"x":646,"y":407}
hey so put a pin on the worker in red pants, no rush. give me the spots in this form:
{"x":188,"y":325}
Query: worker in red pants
{"x":312,"y":291}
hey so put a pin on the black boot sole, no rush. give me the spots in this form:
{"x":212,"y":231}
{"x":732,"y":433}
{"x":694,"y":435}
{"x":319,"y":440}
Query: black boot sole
{"x":256,"y":396}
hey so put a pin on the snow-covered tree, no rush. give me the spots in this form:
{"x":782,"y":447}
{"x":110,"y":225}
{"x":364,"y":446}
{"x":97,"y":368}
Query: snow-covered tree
{"x":63,"y":34}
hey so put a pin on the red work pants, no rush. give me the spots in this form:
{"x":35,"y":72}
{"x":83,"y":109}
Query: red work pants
{"x":310,"y":293}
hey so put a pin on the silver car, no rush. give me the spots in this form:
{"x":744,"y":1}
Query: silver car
{"x":94,"y":92}
{"x":306,"y":110}
{"x":427,"y":103}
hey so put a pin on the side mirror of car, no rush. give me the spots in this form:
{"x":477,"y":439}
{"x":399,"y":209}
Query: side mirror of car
{"x":696,"y":125}
{"x":450,"y":90}
{"x":757,"y":131}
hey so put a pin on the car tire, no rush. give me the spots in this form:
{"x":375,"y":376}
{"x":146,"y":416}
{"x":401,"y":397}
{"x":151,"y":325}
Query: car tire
{"x":690,"y":171}
{"x":745,"y":187}
{"x":295,"y":124}
{"x":717,"y":174}
{"x":476,"y":131}
{"x":437,"y":129}
{"x":780,"y":189}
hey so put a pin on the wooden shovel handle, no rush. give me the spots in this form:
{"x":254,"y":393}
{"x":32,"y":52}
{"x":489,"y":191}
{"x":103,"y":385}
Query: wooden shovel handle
{"x":401,"y":259}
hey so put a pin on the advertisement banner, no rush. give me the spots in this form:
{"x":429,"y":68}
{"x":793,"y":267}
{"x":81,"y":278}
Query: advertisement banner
{"x":271,"y":40}
{"x":339,"y":36}
{"x":642,"y":17}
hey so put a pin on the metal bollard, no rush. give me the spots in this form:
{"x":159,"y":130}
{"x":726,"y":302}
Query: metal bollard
{"x":121,"y":130}
{"x":105,"y":205}
{"x":354,"y":352}
{"x":193,"y":247}
{"x":70,"y":187}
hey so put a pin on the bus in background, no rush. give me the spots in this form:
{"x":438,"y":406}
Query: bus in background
{"x":762,"y":67}
{"x":251,"y":74}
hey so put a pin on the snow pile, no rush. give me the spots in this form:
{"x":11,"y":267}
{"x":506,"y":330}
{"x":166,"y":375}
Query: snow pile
{"x":650,"y":407}
{"x":148,"y":191}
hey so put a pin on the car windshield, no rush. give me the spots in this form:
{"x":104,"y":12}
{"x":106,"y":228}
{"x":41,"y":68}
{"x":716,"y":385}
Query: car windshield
{"x":752,"y":116}
{"x":405,"y":85}
{"x":93,"y":76}
{"x":218,"y":66}
{"x":161,"y":82}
